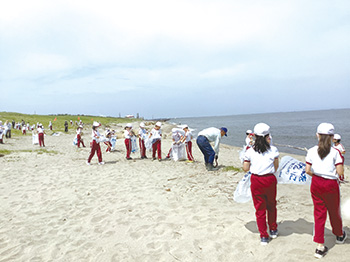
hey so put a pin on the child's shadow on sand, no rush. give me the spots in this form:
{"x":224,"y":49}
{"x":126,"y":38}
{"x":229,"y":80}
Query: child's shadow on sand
{"x":300,"y":226}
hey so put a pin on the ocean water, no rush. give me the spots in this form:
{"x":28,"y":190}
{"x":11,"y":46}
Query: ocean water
{"x":296,"y":129}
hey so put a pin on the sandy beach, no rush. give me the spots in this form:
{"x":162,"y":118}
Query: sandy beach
{"x":56,"y":208}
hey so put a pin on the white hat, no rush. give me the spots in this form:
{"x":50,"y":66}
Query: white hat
{"x":248,"y":131}
{"x":325,"y":129}
{"x":142,"y":124}
{"x":261,"y":129}
{"x":128,"y":125}
{"x":184,"y":126}
{"x":96,"y":124}
{"x":337,"y":137}
{"x":159,"y":124}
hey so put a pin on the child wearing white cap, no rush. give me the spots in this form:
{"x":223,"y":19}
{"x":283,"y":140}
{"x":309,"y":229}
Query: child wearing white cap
{"x":95,"y":144}
{"x":262,"y":161}
{"x":325,"y":164}
{"x":156,"y":135}
{"x":108,"y":142}
{"x":128,"y":134}
{"x":142,"y":137}
{"x":337,"y":145}
{"x":249,"y":138}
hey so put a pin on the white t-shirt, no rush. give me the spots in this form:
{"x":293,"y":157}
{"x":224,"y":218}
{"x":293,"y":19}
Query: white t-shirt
{"x":324,"y":167}
{"x":340,"y":147}
{"x":156,"y":134}
{"x":261,"y":164}
{"x":40,"y":130}
{"x":127,"y":134}
{"x":189,"y":136}
{"x":94,"y":135}
{"x":143,"y":133}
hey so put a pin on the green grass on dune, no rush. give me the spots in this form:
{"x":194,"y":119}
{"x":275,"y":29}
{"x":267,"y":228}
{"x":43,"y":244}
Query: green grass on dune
{"x":58,"y":125}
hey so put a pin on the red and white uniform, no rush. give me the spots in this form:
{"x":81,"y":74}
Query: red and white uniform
{"x":95,"y":146}
{"x":188,"y":142}
{"x":127,"y":141}
{"x":341,"y":148}
{"x":79,"y":140}
{"x":142,"y":137}
{"x":263,"y":187}
{"x":156,"y":136}
{"x":41,"y":136}
{"x":325,"y":191}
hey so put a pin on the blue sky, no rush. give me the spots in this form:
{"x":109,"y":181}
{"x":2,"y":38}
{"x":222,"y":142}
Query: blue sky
{"x":179,"y":58}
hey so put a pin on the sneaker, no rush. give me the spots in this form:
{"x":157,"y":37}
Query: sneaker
{"x":273,"y":233}
{"x":212,"y":168}
{"x":129,"y":158}
{"x":88,"y":163}
{"x":159,"y":159}
{"x":101,"y":163}
{"x":264,"y":241}
{"x":341,"y":240}
{"x":189,"y":161}
{"x":320,"y":254}
{"x":154,"y":158}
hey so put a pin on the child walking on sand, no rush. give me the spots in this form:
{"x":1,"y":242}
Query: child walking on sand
{"x":325,"y":164}
{"x":262,"y":161}
{"x":156,"y":135}
{"x":187,"y":139}
{"x":41,"y":134}
{"x":95,"y":144}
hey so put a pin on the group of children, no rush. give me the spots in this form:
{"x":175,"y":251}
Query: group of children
{"x":147,"y":140}
{"x":324,"y":162}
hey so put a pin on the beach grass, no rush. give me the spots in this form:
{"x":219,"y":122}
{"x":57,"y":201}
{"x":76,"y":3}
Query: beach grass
{"x":5,"y":152}
{"x":233,"y":168}
{"x":59,"y":120}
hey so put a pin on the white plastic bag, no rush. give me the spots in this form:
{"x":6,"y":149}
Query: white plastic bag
{"x":178,"y":152}
{"x":134,"y":147}
{"x":292,"y":171}
{"x":242,"y":193}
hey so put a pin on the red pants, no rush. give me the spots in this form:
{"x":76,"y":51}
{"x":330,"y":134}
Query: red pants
{"x":189,"y":151}
{"x":79,"y":141}
{"x":95,"y":147}
{"x":24,"y":132}
{"x":41,"y":139}
{"x":156,"y":147}
{"x":142,"y":147}
{"x":128,"y":147}
{"x":264,"y":191}
{"x":326,"y":197}
{"x":109,"y":146}
{"x":50,"y":127}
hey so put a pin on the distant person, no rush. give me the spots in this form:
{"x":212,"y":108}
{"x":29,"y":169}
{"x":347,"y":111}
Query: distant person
{"x":204,"y":138}
{"x":326,"y":166}
{"x":188,"y":143}
{"x":337,"y":145}
{"x":41,"y":134}
{"x":66,"y":126}
{"x":128,"y":134}
{"x":50,"y":125}
{"x":108,"y":142}
{"x":79,"y":136}
{"x":156,"y":135}
{"x":2,"y":132}
{"x":7,"y":127}
{"x":13,"y":124}
{"x":95,"y":144}
{"x":249,"y":141}
{"x":262,"y":161}
{"x":24,"y":129}
{"x":142,"y":137}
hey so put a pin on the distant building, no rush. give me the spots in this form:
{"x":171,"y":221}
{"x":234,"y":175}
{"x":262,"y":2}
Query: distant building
{"x":130,"y":116}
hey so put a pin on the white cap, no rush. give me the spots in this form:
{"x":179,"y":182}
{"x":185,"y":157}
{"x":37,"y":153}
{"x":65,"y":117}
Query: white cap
{"x":337,"y":137}
{"x":96,"y":124}
{"x":184,"y":126}
{"x":159,"y":124}
{"x":142,"y":124}
{"x":261,"y":129}
{"x":249,"y":131}
{"x":325,"y":129}
{"x":128,"y":125}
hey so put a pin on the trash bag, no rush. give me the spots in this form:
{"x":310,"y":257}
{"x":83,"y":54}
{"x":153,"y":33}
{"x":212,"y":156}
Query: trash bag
{"x":292,"y":171}
{"x":75,"y":141}
{"x":242,"y":193}
{"x":35,"y":139}
{"x":178,"y":152}
{"x":134,"y":147}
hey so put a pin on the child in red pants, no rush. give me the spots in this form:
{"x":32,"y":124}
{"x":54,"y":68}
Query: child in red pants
{"x":95,"y":144}
{"x":156,"y":135}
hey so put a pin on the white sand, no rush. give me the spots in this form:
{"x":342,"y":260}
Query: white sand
{"x":56,"y":208}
